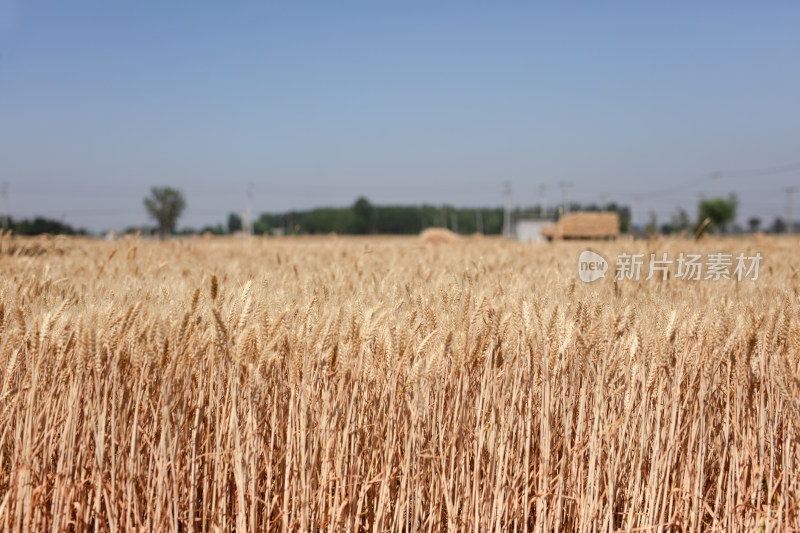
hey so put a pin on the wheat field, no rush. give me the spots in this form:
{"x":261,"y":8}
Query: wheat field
{"x":389,"y":384}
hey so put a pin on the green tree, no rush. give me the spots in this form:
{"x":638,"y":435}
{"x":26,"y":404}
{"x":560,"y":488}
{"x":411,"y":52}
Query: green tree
{"x":396,"y":220}
{"x":363,"y":216}
{"x":264,"y":224}
{"x":165,"y":205}
{"x":327,"y":220}
{"x":754,"y":224}
{"x":41,"y":225}
{"x":234,"y":223}
{"x":624,"y":214}
{"x":720,"y":211}
{"x":778,"y":226}
{"x":213,"y":230}
{"x":680,"y":220}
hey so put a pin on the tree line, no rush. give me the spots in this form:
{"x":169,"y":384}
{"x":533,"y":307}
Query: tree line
{"x":42,"y":226}
{"x":364,"y":218}
{"x":165,"y":206}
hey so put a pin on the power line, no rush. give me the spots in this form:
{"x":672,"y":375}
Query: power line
{"x":764,"y":171}
{"x":680,"y":187}
{"x":715,"y":176}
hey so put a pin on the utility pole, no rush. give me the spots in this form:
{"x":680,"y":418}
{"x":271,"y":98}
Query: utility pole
{"x":5,"y":205}
{"x":789,"y":216}
{"x":454,"y":221}
{"x":565,"y":185}
{"x":603,"y":203}
{"x":248,"y":221}
{"x":479,"y":221}
{"x":507,"y":210}
{"x":636,"y":210}
{"x":542,"y":202}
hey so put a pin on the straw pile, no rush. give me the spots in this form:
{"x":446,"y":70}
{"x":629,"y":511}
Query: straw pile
{"x":584,"y":226}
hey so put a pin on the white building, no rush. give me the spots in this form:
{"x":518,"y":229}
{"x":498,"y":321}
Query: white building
{"x":529,"y":229}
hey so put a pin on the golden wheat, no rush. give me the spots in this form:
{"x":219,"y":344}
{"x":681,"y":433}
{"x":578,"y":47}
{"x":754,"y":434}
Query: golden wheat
{"x":393,"y":384}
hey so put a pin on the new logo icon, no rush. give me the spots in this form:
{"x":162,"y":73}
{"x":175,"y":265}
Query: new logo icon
{"x":591,"y":266}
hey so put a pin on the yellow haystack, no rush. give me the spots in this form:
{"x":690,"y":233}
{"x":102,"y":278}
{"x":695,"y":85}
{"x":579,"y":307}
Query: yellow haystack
{"x":438,"y":235}
{"x":584,"y":226}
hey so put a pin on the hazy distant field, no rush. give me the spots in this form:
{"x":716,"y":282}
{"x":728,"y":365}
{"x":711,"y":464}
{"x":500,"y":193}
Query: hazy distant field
{"x":388,"y":384}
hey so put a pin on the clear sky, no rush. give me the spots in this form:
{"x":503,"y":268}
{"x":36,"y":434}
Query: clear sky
{"x":316,"y":103}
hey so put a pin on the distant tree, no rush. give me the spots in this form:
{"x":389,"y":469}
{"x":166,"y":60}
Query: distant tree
{"x":680,"y":220}
{"x":778,"y":226}
{"x":41,"y":225}
{"x":754,"y":224}
{"x":264,"y":224}
{"x":363,"y":217}
{"x":213,"y":230}
{"x":234,"y":223}
{"x":165,"y":205}
{"x":327,"y":220}
{"x":363,"y":211}
{"x":720,"y":211}
{"x":363,"y":207}
{"x":397,"y":220}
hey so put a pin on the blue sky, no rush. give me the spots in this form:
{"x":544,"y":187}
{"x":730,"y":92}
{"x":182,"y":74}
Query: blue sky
{"x":316,"y":103}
